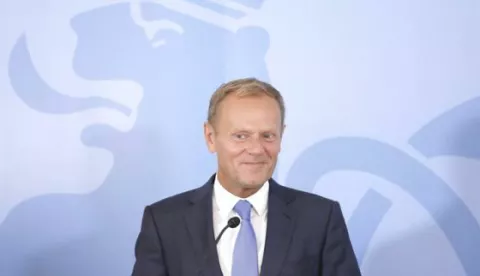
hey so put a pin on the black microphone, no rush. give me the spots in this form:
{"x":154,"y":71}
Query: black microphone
{"x":232,"y":223}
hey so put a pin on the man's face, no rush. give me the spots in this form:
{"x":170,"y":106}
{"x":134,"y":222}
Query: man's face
{"x":246,"y":136}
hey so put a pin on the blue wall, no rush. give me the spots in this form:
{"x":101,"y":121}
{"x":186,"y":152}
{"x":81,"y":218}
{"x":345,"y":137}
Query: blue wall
{"x":102,"y":105}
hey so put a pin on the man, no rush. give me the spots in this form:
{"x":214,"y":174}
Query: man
{"x":281,"y":232}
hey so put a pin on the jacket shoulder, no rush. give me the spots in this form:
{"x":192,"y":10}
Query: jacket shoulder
{"x":172,"y":203}
{"x":316,"y":210}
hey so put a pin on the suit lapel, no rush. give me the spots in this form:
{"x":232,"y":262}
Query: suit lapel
{"x":199,"y":222}
{"x":279,"y":230}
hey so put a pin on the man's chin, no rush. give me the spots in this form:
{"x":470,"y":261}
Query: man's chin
{"x":253,"y":183}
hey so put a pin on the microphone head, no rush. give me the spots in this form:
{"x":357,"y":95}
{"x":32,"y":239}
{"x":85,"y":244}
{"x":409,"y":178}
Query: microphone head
{"x":233,"y":222}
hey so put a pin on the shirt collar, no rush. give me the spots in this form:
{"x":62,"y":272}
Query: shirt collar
{"x":225,"y":201}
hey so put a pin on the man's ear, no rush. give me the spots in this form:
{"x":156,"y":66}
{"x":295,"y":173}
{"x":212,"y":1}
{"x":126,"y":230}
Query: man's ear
{"x":209,"y":133}
{"x":282,"y":131}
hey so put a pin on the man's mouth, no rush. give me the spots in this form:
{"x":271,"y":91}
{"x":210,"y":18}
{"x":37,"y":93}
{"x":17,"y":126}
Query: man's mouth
{"x":254,"y":163}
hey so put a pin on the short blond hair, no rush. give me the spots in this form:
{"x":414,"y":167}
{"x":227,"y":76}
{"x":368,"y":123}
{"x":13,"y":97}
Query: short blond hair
{"x":243,"y":88}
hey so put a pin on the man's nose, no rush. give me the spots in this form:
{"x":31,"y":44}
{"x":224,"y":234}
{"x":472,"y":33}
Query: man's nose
{"x":255,"y":146}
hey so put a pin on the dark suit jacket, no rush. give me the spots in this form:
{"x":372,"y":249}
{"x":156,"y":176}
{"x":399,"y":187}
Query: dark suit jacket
{"x":306,"y":235}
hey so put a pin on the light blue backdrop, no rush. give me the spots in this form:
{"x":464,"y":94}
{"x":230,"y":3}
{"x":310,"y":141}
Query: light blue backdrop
{"x":102,"y":104}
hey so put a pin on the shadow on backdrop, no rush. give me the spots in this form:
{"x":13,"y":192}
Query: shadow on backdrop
{"x":456,"y":133}
{"x":163,"y":154}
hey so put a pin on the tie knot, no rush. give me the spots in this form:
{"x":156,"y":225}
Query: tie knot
{"x":243,"y":208}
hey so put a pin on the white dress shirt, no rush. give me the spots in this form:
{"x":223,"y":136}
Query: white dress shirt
{"x":223,"y":203}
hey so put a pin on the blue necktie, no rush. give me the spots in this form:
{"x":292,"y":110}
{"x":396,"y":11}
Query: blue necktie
{"x":245,"y":257}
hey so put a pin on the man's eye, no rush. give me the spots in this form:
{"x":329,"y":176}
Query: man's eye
{"x":269,"y":136}
{"x":240,"y":136}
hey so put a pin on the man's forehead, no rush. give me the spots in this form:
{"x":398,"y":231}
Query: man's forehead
{"x":249,"y":114}
{"x":247,"y":101}
{"x":231,"y":124}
